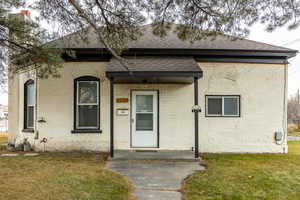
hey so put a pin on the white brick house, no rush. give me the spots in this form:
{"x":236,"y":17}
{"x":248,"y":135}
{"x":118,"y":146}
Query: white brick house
{"x":96,"y":105}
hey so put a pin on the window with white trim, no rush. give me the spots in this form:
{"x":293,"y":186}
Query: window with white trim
{"x":223,"y":106}
{"x":87,"y":103}
{"x":29,"y":103}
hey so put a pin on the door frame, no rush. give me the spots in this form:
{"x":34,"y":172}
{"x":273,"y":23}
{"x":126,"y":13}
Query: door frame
{"x":130,"y":123}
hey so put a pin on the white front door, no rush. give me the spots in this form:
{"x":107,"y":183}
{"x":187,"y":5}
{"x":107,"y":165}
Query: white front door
{"x":144,"y":119}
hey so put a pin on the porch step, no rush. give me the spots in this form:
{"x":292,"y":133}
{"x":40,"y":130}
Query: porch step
{"x":154,"y":155}
{"x":146,"y":151}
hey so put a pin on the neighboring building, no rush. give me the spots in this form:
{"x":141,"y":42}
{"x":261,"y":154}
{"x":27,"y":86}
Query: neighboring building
{"x":3,"y":58}
{"x":3,"y":118}
{"x":3,"y":79}
{"x":96,"y":105}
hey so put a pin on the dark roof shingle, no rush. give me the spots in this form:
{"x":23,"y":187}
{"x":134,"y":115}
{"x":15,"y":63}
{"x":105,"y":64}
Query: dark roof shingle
{"x":171,"y":41}
{"x":155,"y":64}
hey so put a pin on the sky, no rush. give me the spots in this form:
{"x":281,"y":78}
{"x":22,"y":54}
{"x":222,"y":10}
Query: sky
{"x":280,"y":37}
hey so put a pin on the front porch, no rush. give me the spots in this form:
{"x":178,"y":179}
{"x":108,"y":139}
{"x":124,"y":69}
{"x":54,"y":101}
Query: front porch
{"x":172,"y":72}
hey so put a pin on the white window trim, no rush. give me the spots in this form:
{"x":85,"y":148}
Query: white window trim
{"x":86,"y":104}
{"x":223,"y":113}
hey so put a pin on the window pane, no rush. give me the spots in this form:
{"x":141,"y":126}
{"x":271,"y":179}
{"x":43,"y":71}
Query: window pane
{"x":87,"y":92}
{"x":30,"y":94}
{"x":88,"y":116}
{"x":144,"y":103}
{"x":230,"y":106}
{"x":214,"y":106}
{"x":144,"y":122}
{"x":30,"y":114}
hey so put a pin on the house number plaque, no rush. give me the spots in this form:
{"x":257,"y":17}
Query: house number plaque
{"x":122,"y":100}
{"x":196,"y":108}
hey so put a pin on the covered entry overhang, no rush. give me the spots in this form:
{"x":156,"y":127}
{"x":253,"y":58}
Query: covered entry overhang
{"x":149,"y":69}
{"x":154,"y":69}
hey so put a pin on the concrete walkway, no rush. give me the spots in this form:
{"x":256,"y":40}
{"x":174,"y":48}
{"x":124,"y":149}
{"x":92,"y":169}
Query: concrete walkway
{"x":293,"y":138}
{"x":155,"y":179}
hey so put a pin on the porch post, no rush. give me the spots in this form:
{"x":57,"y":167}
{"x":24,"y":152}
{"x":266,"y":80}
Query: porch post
{"x":111,"y":117}
{"x":196,"y":117}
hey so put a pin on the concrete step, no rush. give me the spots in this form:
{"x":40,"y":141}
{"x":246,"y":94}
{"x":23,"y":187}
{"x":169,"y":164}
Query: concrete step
{"x":154,"y":155}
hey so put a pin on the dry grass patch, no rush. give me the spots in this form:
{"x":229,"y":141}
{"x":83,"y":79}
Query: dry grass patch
{"x":3,"y":140}
{"x":297,"y":134}
{"x":247,"y":177}
{"x":60,"y":176}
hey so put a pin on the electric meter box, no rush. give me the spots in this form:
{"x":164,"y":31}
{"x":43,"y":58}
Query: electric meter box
{"x":278,"y":136}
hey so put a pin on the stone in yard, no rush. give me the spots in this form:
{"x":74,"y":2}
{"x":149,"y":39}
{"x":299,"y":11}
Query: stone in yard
{"x":31,"y":154}
{"x":9,"y":154}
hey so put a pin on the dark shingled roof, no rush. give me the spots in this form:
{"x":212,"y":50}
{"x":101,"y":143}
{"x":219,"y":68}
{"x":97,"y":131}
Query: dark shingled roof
{"x":171,"y":41}
{"x":155,"y":64}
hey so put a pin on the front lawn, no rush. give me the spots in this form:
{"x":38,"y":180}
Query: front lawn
{"x":247,"y":177}
{"x":60,"y":176}
{"x":81,"y":176}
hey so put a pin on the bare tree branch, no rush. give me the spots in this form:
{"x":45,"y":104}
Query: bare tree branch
{"x":96,"y":29}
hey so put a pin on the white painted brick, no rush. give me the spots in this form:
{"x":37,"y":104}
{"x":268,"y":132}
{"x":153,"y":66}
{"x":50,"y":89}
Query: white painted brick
{"x":261,"y":87}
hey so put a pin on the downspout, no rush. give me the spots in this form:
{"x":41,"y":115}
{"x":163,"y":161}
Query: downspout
{"x":284,"y":115}
{"x":283,"y":142}
{"x":36,"y":136}
{"x":111,"y":117}
{"x":196,"y":117}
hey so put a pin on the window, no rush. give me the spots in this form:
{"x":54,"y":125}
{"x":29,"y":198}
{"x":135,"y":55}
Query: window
{"x":226,"y":106}
{"x":29,"y":103}
{"x":86,"y":103}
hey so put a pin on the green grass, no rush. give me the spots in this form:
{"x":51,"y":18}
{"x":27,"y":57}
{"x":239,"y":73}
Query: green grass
{"x":60,"y":176}
{"x":294,"y":134}
{"x":247,"y":177}
{"x":294,"y":148}
{"x":81,"y":176}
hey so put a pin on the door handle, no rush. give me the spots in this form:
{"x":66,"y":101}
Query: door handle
{"x":132,"y":120}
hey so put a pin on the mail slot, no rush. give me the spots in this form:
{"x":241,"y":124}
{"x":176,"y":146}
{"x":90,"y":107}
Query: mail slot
{"x":122,"y":112}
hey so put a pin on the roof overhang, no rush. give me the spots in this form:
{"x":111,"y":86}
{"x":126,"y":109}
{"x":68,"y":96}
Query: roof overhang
{"x":158,"y":74}
{"x":212,"y":52}
{"x":154,"y":69}
{"x":154,"y":77}
{"x":201,"y":55}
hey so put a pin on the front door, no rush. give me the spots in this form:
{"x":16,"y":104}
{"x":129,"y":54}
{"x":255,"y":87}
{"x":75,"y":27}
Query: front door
{"x":144,"y":119}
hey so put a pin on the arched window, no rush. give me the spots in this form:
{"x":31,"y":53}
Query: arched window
{"x":29,"y":104}
{"x":86,"y":103}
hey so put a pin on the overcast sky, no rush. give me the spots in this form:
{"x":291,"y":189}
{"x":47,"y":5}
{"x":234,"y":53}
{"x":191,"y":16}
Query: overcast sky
{"x":281,"y":37}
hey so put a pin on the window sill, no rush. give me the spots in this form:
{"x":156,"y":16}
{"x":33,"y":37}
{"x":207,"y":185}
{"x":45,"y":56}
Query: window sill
{"x":28,"y":130}
{"x":86,"y":131}
{"x":227,"y":116}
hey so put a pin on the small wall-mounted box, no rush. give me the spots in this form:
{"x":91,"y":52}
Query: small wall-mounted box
{"x":122,"y":111}
{"x":278,"y":136}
